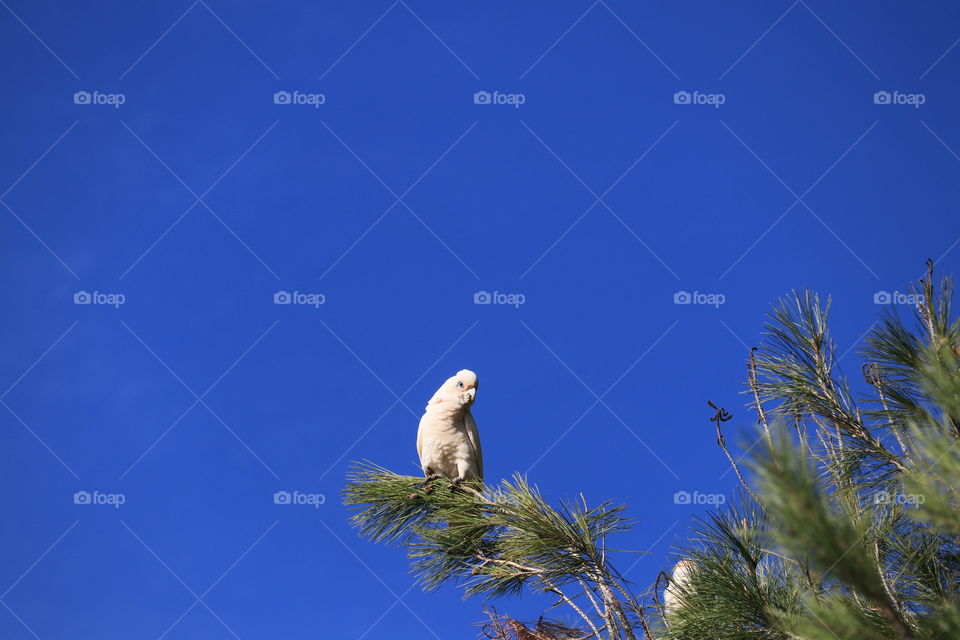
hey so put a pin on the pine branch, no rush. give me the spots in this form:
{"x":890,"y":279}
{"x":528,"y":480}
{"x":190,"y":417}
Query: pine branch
{"x":496,"y":541}
{"x":831,"y":559}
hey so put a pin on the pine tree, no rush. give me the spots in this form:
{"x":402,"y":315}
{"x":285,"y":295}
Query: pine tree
{"x":847,"y":524}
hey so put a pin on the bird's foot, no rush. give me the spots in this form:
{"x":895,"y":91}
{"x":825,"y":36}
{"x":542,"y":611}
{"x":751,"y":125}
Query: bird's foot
{"x":430,"y":478}
{"x":426,"y":486}
{"x":455,"y":483}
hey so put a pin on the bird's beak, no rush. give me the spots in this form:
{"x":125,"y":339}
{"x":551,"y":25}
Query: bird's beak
{"x":472,"y":394}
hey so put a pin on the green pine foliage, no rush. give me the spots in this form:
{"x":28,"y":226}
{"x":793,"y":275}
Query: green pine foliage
{"x":500,"y":540}
{"x":856,"y":517}
{"x":847,"y":524}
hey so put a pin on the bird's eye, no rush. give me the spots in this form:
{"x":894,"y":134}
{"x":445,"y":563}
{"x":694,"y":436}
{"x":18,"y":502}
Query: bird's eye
{"x":460,"y":385}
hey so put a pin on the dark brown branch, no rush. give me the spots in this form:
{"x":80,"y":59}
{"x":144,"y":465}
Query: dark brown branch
{"x":723,"y":416}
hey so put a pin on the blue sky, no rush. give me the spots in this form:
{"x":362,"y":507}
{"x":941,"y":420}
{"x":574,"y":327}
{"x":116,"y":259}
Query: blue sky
{"x":178,"y":190}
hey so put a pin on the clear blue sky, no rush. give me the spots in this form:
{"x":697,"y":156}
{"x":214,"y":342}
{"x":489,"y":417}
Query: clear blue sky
{"x":398,"y":198}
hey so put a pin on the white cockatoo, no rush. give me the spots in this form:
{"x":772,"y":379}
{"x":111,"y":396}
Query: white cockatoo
{"x":679,"y":583}
{"x":447,"y":441}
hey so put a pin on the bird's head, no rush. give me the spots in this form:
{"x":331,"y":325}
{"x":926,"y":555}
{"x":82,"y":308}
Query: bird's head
{"x":460,"y":389}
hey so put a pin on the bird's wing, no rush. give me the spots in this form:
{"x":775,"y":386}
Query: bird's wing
{"x":474,"y":436}
{"x":420,"y":440}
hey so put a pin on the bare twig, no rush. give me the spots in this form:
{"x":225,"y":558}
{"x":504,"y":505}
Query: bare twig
{"x":754,"y":383}
{"x":573,"y":605}
{"x":508,"y":563}
{"x":875,"y":378}
{"x":722,"y":416}
{"x":589,"y":593}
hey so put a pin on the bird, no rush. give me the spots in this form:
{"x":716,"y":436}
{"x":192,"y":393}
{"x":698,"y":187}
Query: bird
{"x":448,"y":443}
{"x":678,"y":586}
